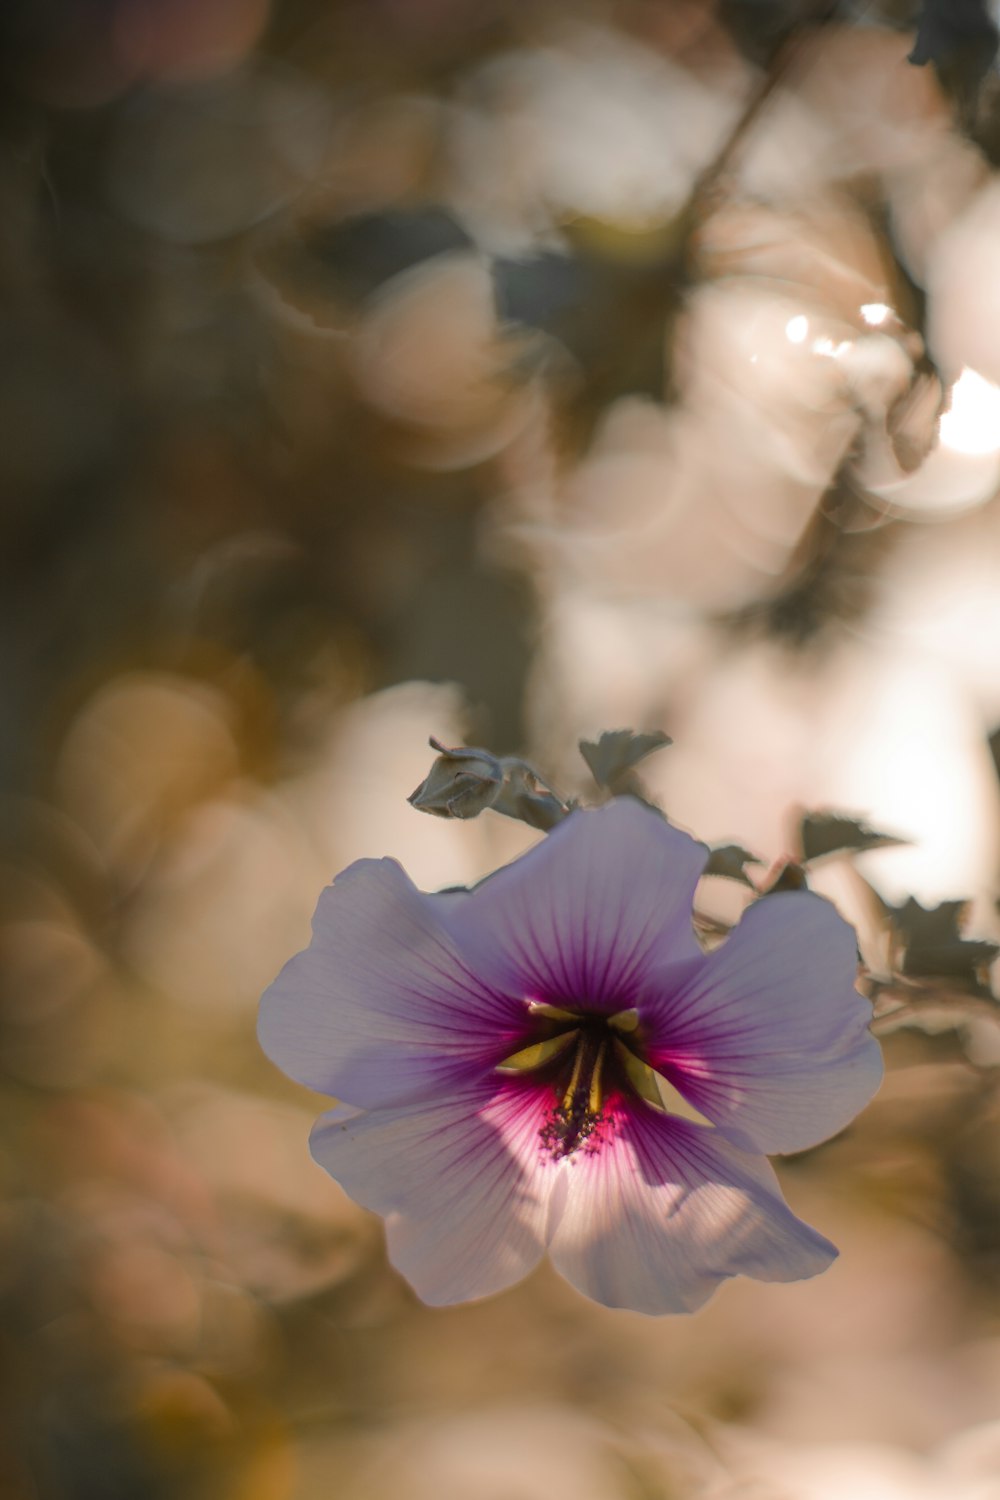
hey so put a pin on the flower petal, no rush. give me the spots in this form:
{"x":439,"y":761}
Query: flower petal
{"x":461,"y":1181}
{"x":768,"y":1037}
{"x":665,"y":1210}
{"x":585,"y":915}
{"x":381,"y":1007}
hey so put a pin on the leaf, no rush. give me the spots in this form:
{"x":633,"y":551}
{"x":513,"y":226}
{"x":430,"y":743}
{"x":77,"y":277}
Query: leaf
{"x":955,"y":30}
{"x":759,"y":26}
{"x":541,"y":291}
{"x":825,"y":833}
{"x":994,"y":744}
{"x":729,"y":861}
{"x":613,"y":757}
{"x":933,"y":944}
{"x":605,"y":277}
{"x":361,"y":253}
{"x":960,"y":38}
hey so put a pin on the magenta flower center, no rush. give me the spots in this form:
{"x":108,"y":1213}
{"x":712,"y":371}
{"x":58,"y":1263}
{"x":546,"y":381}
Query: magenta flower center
{"x":587,"y":1062}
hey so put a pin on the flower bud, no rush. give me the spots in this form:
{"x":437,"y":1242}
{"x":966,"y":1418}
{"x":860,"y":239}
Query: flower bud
{"x":461,"y":784}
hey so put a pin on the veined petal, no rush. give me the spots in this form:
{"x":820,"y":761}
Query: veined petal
{"x":665,"y":1210}
{"x":768,"y":1037}
{"x":461,"y":1182}
{"x":585,"y":915}
{"x":382,"y":1007}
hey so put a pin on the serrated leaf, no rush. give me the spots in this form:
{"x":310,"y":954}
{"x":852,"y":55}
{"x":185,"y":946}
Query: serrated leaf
{"x":835,"y":833}
{"x":933,"y":944}
{"x":615,"y":755}
{"x":730,"y":861}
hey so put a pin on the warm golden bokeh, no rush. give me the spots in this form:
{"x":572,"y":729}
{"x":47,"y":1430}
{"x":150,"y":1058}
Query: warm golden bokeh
{"x":379,"y":369}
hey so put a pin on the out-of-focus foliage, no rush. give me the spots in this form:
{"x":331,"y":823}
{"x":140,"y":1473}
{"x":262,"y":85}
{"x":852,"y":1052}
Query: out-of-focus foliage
{"x":612,"y":758}
{"x":960,"y":38}
{"x":829,"y":833}
{"x":372,"y":369}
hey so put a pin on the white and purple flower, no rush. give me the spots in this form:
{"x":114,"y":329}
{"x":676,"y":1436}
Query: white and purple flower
{"x":550,"y":1062}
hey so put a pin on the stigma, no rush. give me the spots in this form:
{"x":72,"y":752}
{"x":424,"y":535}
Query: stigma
{"x":579,"y":1111}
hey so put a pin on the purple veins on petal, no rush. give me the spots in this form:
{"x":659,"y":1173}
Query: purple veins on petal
{"x":383,"y":1006}
{"x":460,"y":1182}
{"x":590,"y":912}
{"x":659,"y":1221}
{"x":768,"y":1036}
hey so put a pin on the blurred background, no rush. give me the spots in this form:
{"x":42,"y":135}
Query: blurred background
{"x":504,"y":373}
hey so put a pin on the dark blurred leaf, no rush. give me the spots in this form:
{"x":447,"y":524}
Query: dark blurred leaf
{"x":950,"y":28}
{"x":618,"y":752}
{"x":759,"y":26}
{"x":606,"y":279}
{"x":730,"y":861}
{"x":537,"y":291}
{"x":994,"y":744}
{"x":960,"y":38}
{"x":790,"y":877}
{"x":364,"y":252}
{"x":912,"y":421}
{"x":933,"y":944}
{"x":828,"y":579}
{"x":833,"y":833}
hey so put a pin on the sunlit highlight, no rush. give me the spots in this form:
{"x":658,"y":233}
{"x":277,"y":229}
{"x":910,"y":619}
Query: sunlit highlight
{"x":829,"y":350}
{"x":972,"y":422}
{"x":918,"y":764}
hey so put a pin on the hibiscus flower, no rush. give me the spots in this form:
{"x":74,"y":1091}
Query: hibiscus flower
{"x":551,"y":1062}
